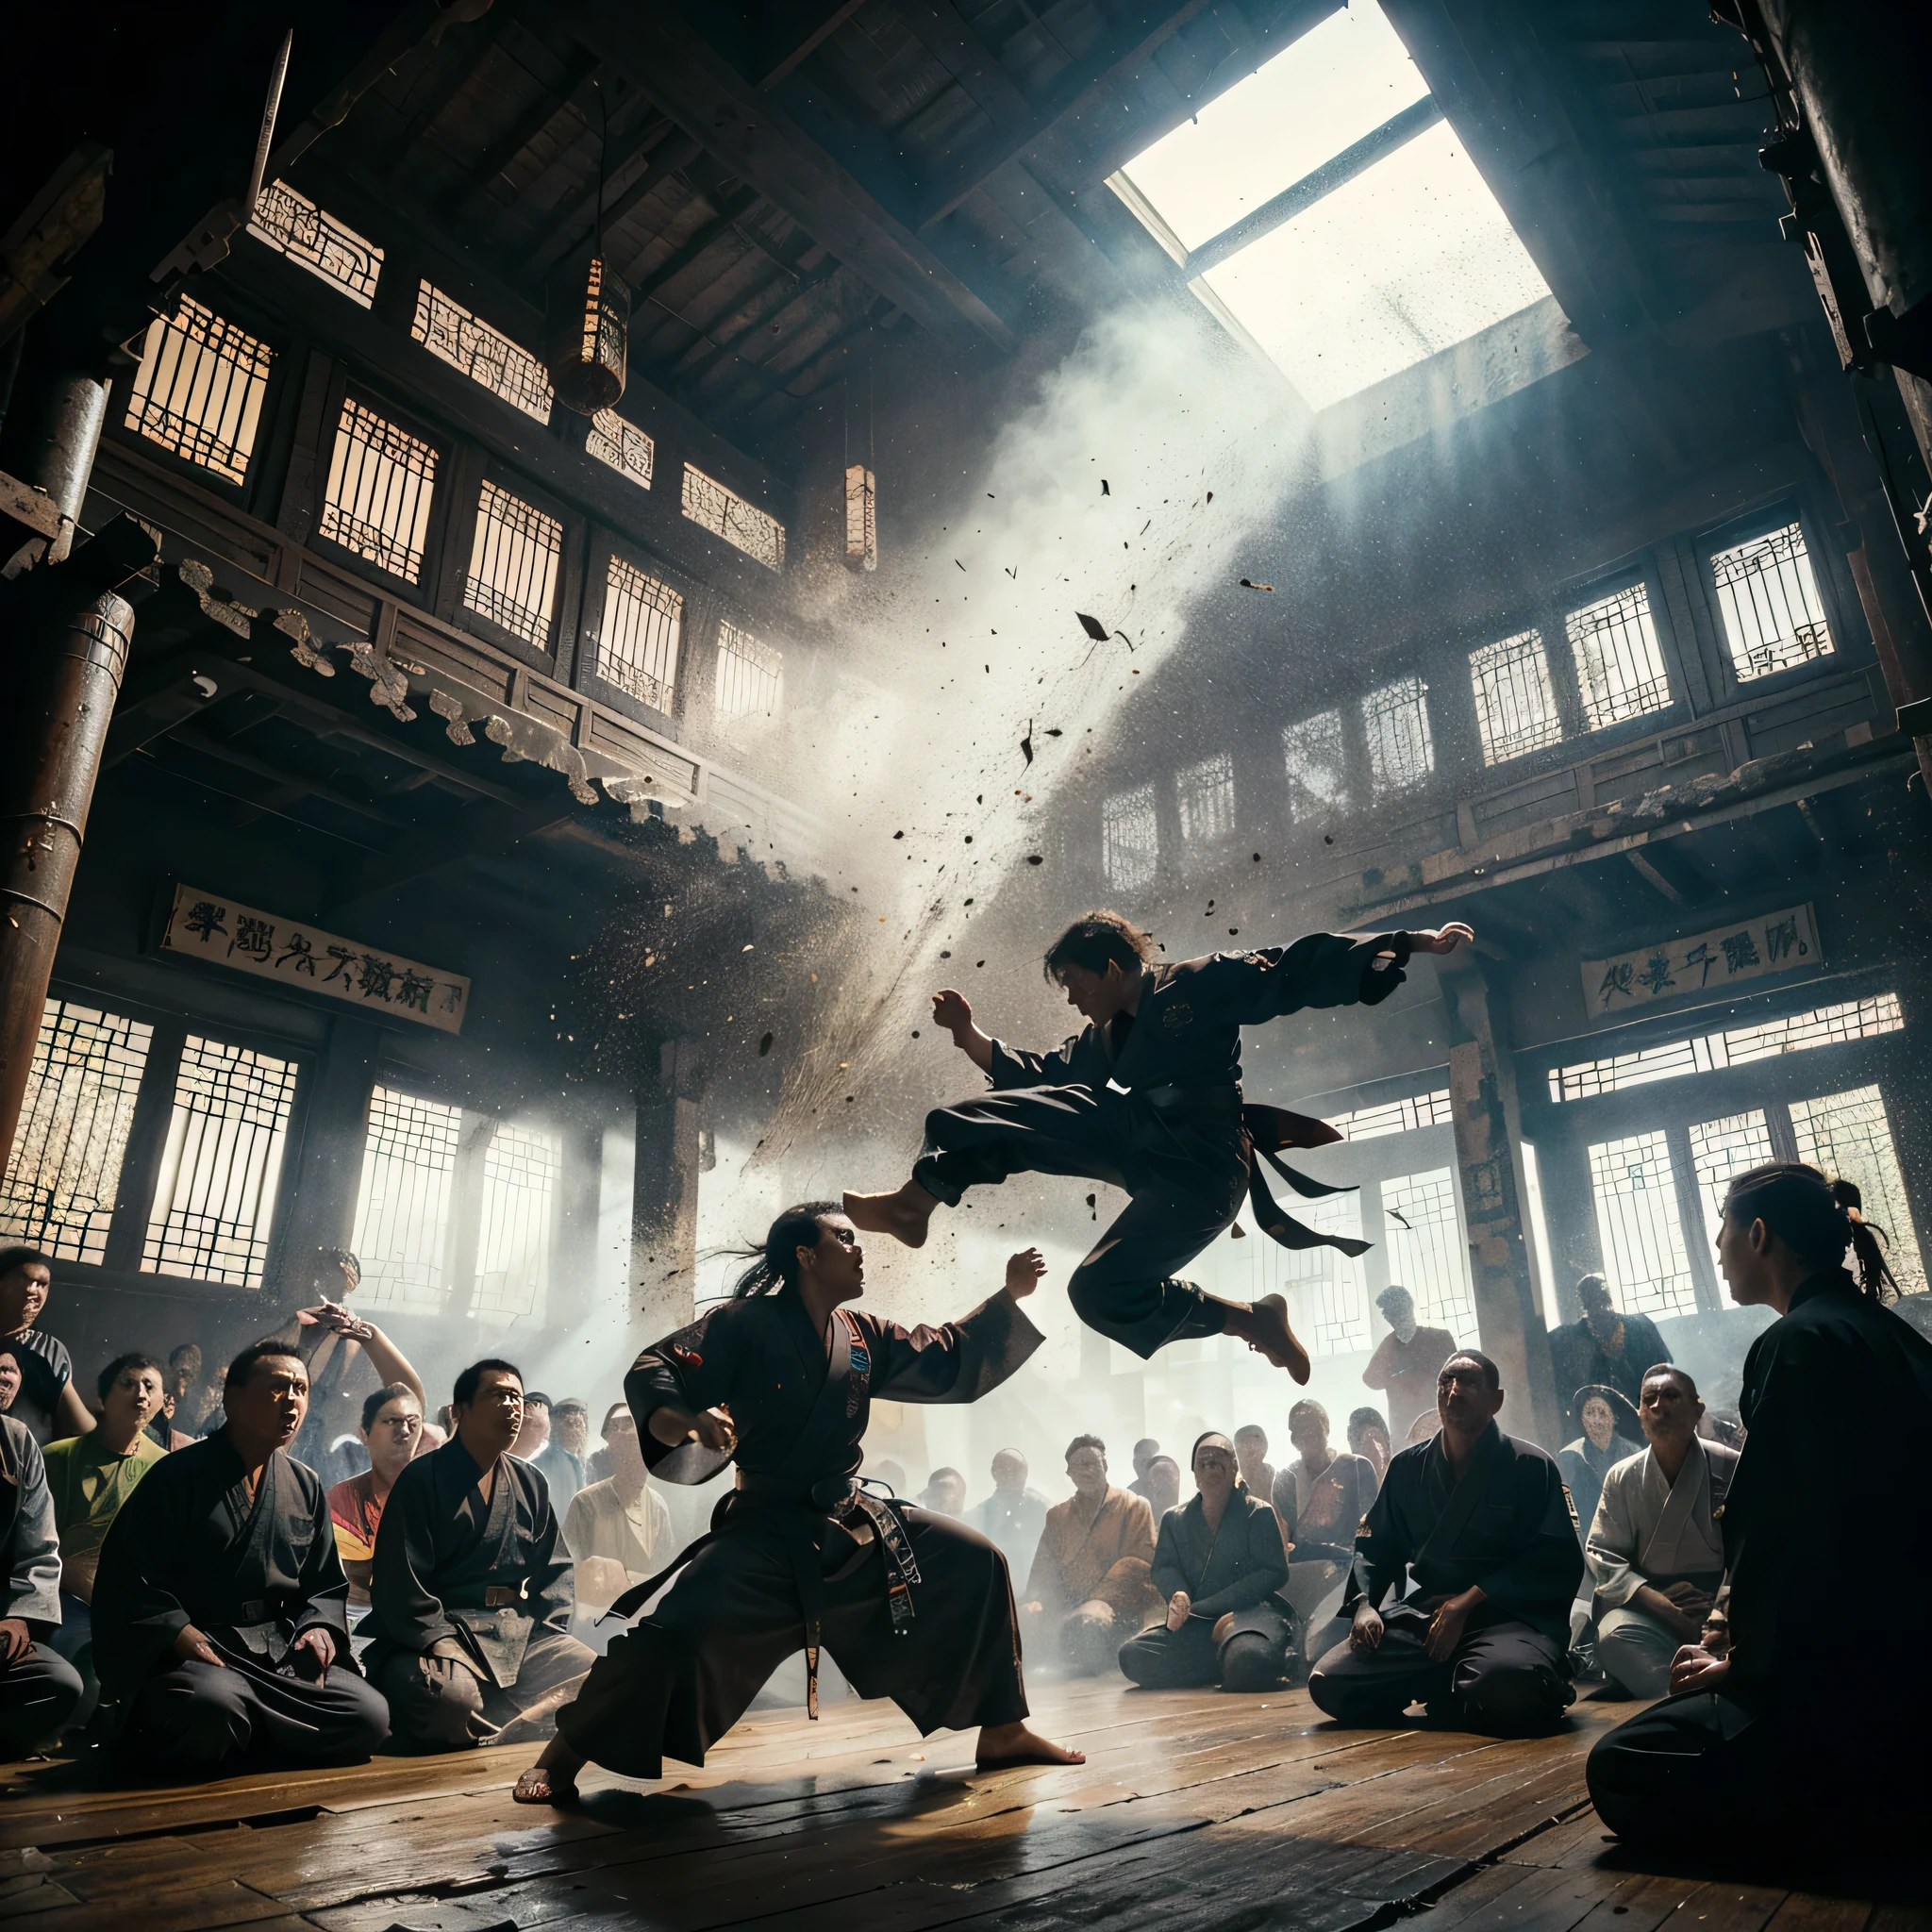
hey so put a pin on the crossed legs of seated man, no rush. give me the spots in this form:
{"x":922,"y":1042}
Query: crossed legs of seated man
{"x":447,"y":1698}
{"x":1241,"y":1650}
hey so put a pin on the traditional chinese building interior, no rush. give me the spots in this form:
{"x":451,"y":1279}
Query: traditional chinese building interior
{"x":564,"y":567}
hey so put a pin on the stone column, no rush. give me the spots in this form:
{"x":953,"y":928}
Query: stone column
{"x":1489,"y":1159}
{"x":664,"y":1197}
{"x":329,"y":1168}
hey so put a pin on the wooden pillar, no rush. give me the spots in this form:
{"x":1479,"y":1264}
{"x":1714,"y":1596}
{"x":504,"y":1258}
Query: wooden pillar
{"x":322,"y":1192}
{"x":1703,"y":1280}
{"x":573,"y":1231}
{"x":1562,"y":1156}
{"x":1489,"y":1159}
{"x":664,"y":1198}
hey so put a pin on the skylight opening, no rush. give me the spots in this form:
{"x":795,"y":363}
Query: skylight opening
{"x":1327,"y":208}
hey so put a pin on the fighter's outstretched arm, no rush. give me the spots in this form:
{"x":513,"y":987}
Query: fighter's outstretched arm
{"x":952,"y":1012}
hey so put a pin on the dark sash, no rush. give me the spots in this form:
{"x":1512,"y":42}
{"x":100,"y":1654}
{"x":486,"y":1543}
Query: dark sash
{"x":1266,"y":1130}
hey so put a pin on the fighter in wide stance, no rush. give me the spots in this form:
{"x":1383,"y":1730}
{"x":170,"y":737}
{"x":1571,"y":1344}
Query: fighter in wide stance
{"x":1149,"y":1098}
{"x":913,"y":1606}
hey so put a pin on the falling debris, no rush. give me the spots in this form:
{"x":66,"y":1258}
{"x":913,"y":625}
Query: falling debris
{"x":1095,"y":1211}
{"x":1104,"y":490}
{"x":1093,"y":626}
{"x":764,"y":1045}
{"x":1238,"y":1233}
{"x":1035,"y":858}
{"x":958,"y":565}
{"x":1397,"y":1214}
{"x":1026,"y":743}
{"x":896,"y":835}
{"x":1247,"y":584}
{"x":1054,"y":731}
{"x":1210,"y":496}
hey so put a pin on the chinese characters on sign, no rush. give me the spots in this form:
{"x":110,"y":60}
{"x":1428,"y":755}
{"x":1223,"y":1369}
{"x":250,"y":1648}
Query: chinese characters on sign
{"x":204,"y":926}
{"x":1703,"y":962}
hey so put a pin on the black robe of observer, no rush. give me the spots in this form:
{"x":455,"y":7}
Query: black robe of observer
{"x":911,"y":1604}
{"x":1152,"y":1102}
{"x":1818,"y":1722}
{"x":252,"y":1573}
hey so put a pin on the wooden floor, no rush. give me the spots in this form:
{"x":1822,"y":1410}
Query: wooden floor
{"x":1194,"y":1811}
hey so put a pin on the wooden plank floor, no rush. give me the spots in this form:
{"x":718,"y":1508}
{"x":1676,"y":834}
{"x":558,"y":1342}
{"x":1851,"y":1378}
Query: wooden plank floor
{"x":1195,"y":1812}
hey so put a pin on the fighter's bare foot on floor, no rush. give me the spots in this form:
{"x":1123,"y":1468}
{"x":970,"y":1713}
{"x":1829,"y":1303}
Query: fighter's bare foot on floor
{"x":1263,"y":1325}
{"x":551,"y":1780}
{"x":903,"y":1214}
{"x":1002,"y":1746}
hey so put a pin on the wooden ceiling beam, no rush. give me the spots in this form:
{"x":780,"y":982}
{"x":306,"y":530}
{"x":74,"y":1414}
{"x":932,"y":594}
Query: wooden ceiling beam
{"x":644,"y":285}
{"x":793,"y":33}
{"x":638,"y":170}
{"x":486,"y":832}
{"x":688,"y":369}
{"x":665,"y":57}
{"x":457,"y":74}
{"x":954,"y":43}
{"x":578,"y":79}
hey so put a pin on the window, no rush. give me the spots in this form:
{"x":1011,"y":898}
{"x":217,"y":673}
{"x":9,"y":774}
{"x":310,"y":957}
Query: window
{"x":199,"y":387}
{"x":1515,"y":707}
{"x":1396,"y":722}
{"x":1317,"y":775}
{"x":1618,"y":663}
{"x":1739,"y":1046}
{"x":751,"y":676}
{"x":1849,"y":1137}
{"x":403,"y":1206}
{"x":1130,"y":840}
{"x":63,"y":1179}
{"x":1323,"y":203}
{"x":637,"y":643}
{"x":513,"y":563}
{"x":1768,"y":597}
{"x":465,"y":342}
{"x":625,"y":447}
{"x":380,"y":478}
{"x":726,"y":514}
{"x":520,"y":1170}
{"x":1328,"y":1290}
{"x":1427,"y":1254}
{"x":1206,"y":800}
{"x":1719,"y":1151}
{"x":1644,"y":1261}
{"x":291,"y":224}
{"x":1395,"y":1117}
{"x":221,"y":1163}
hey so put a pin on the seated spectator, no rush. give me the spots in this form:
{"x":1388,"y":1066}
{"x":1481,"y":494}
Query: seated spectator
{"x":563,"y":1457}
{"x":89,"y":1477}
{"x":1611,"y":1433}
{"x":944,"y":1493}
{"x":1604,"y":1349}
{"x":1013,"y":1516}
{"x":1482,"y":1519}
{"x":1655,"y":1549}
{"x":1163,"y":1486}
{"x":1090,"y":1586}
{"x":1320,"y":1498}
{"x":471,"y":1597}
{"x":889,"y":1472}
{"x":1368,"y":1436}
{"x":39,"y":1687}
{"x":10,"y":1379}
{"x":1251,"y":1453}
{"x":47,"y":1401}
{"x":392,"y":1423}
{"x":1145,"y":1450}
{"x":1804,"y":1735}
{"x":350,"y":1361}
{"x":617,"y":1531}
{"x":533,"y":1437}
{"x":1219,"y":1563}
{"x":1407,"y":1363}
{"x":195,"y":1403}
{"x":220,"y":1606}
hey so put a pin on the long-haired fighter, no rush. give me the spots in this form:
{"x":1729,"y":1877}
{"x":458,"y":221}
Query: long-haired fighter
{"x":1149,"y":1098}
{"x":911,"y":1605}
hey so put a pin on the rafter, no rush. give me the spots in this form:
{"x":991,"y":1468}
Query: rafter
{"x":947,"y":36}
{"x":735,"y":207}
{"x":632,"y":171}
{"x":457,"y":73}
{"x":578,"y":79}
{"x":794,"y":33}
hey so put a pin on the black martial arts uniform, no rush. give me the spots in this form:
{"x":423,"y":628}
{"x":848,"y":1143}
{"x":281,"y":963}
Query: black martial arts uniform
{"x":251,"y":1573}
{"x":913,"y":1606}
{"x":1152,"y":1102}
{"x":1819,"y":1726}
{"x":493,"y":1578}
{"x":1238,"y":1567}
{"x":40,"y":1689}
{"x":1505,"y":1526}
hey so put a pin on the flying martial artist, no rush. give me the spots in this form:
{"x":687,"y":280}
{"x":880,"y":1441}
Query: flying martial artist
{"x":1148,"y":1097}
{"x":911,"y":1605}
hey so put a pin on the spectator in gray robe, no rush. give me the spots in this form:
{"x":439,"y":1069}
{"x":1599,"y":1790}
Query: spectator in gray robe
{"x":39,"y":1689}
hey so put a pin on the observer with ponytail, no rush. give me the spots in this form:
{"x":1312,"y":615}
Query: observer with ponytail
{"x":1817,"y":1219}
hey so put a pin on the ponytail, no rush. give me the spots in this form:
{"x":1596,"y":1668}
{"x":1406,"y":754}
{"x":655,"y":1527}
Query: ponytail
{"x":1818,"y":1220}
{"x":1868,"y":1243}
{"x":776,"y":1265}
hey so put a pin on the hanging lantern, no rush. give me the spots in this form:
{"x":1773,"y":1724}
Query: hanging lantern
{"x":588,"y":367}
{"x":862,"y":529}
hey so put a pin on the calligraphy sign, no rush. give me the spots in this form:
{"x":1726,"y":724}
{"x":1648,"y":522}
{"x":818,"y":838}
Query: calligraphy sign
{"x":204,"y":926}
{"x":1705,"y":963}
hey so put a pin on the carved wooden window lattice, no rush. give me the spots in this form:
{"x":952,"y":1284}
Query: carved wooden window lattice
{"x":1130,"y":838}
{"x":199,"y":388}
{"x":381,"y":480}
{"x":623,"y":446}
{"x":1317,"y":770}
{"x":751,"y":676}
{"x":1646,"y":1266}
{"x":1515,"y":706}
{"x":1395,"y":1116}
{"x":520,"y":1171}
{"x":1619,"y":663}
{"x":1774,"y":617}
{"x":1395,"y":720}
{"x":288,"y":221}
{"x":64,"y":1178}
{"x":513,"y":563}
{"x":1721,"y":1149}
{"x":1848,"y":1136}
{"x":451,"y":333}
{"x":1205,"y":794}
{"x":726,"y":514}
{"x":403,"y":1206}
{"x":639,"y":635}
{"x":1427,"y":1254}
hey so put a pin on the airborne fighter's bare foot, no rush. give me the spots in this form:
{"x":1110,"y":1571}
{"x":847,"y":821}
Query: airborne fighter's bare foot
{"x":1001,"y":1746}
{"x":1263,"y":1325}
{"x":904,"y":1213}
